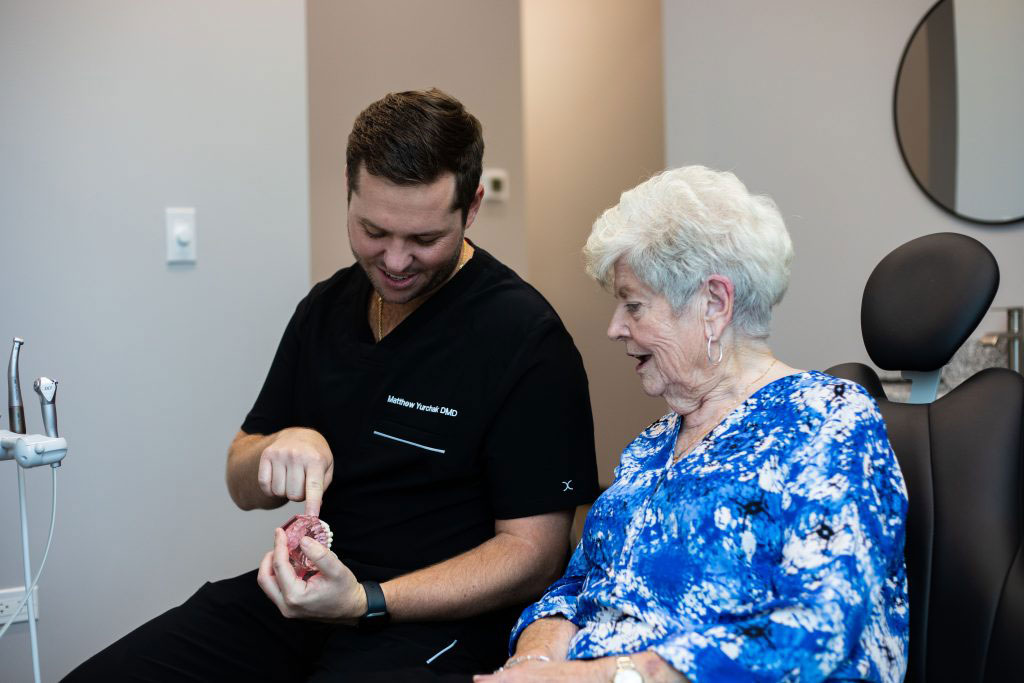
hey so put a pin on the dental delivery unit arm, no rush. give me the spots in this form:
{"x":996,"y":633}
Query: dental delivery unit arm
{"x":31,"y":450}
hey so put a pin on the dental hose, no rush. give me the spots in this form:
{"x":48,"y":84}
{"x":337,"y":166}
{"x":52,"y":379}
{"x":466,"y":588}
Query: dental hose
{"x":39,"y":572}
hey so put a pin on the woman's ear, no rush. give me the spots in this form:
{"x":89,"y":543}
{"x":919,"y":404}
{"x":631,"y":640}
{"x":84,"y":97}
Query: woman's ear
{"x":718,"y":306}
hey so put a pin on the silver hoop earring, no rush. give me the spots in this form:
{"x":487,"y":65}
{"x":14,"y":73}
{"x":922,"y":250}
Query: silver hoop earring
{"x":711,"y":360}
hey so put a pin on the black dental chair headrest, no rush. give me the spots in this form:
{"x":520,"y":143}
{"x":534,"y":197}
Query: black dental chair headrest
{"x":924,"y":299}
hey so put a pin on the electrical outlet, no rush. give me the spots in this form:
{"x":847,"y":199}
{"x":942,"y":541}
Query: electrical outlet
{"x":10,"y":598}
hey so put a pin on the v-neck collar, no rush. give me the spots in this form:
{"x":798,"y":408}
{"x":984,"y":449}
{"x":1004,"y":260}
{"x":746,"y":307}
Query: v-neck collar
{"x":419,"y":318}
{"x":701,"y":445}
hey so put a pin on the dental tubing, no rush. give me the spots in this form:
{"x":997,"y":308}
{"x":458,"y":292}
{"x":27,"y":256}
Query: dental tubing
{"x":31,"y":450}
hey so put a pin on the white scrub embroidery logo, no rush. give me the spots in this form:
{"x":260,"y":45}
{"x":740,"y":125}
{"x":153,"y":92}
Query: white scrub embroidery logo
{"x":568,"y":486}
{"x":416,"y":405}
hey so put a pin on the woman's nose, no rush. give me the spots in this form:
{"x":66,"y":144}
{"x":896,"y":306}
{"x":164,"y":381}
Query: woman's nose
{"x":617,"y":330}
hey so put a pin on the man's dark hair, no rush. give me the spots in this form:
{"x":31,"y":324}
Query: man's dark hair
{"x":413,"y":137}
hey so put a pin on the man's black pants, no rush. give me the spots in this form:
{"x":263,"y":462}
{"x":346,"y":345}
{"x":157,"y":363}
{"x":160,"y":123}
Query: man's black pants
{"x":229,"y":630}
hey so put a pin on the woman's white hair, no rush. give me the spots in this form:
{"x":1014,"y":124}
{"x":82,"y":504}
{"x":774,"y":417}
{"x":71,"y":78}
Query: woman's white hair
{"x":683,"y":225}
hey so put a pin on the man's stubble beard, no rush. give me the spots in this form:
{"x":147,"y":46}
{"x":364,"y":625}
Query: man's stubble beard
{"x":433,"y":284}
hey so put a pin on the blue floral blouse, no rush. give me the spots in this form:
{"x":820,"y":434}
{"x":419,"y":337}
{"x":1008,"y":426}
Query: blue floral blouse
{"x":774,"y":551}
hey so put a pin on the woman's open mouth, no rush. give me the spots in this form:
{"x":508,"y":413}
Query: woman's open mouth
{"x":642,"y":358}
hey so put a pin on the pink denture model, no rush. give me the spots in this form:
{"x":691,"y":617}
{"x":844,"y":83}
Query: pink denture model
{"x":295,"y":529}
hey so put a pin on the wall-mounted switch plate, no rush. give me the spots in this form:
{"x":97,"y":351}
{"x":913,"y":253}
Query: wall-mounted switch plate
{"x":181,"y":235}
{"x":10,"y":598}
{"x":495,"y":182}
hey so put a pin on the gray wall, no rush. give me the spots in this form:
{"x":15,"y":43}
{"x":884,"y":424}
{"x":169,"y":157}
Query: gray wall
{"x":795,"y":97}
{"x":112,"y":110}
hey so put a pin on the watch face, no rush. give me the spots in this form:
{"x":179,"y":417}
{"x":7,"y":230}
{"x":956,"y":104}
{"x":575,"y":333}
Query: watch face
{"x":628,"y":676}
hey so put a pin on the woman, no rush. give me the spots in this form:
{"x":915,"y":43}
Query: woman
{"x":756,"y":531}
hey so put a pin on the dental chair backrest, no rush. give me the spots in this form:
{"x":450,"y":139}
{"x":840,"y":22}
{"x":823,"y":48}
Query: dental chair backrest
{"x":961,"y":457}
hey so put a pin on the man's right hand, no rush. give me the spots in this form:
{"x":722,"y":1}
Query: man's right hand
{"x":297,"y":465}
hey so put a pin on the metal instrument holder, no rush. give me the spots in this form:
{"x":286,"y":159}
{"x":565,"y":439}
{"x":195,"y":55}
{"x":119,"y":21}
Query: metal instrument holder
{"x":30,"y":450}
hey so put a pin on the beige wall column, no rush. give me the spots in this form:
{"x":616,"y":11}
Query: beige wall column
{"x":593,"y":127}
{"x":360,"y":50}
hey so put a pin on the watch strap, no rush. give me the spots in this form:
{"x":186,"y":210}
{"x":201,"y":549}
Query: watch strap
{"x":376,"y":606}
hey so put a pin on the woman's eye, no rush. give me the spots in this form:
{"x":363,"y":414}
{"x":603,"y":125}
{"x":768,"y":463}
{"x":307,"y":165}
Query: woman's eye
{"x":632,"y":307}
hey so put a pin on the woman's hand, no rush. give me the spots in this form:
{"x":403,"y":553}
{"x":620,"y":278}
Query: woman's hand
{"x":585,"y":671}
{"x":653,"y":668}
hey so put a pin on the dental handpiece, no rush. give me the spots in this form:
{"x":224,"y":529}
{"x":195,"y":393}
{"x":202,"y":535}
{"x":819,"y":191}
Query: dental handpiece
{"x":14,"y":405}
{"x":47,"y":390}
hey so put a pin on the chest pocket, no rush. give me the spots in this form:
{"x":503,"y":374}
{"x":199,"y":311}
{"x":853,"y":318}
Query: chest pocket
{"x":402,"y":436}
{"x":424,"y":456}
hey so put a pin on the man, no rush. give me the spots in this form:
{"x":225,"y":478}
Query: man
{"x":430,"y":406}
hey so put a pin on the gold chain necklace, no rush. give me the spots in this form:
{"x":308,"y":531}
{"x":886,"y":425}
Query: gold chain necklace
{"x":464,"y":255}
{"x":680,"y":452}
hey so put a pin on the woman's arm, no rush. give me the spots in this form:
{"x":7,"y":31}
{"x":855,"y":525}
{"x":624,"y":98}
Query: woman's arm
{"x":841,"y":562}
{"x":837,"y":605}
{"x":548,"y":637}
{"x":557,"y":603}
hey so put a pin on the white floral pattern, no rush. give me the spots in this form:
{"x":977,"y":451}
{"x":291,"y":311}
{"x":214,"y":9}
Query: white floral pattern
{"x":772,"y":552}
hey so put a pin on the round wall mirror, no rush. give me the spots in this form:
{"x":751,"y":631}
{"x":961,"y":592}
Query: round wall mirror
{"x":959,"y":108}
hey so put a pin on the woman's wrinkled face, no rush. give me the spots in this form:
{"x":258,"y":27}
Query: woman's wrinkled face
{"x":669,"y":348}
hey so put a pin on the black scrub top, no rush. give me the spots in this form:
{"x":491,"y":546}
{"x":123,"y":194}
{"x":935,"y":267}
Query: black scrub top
{"x":474,"y":408}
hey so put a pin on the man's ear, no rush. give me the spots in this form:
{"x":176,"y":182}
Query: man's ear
{"x":474,"y":207}
{"x":718,"y":308}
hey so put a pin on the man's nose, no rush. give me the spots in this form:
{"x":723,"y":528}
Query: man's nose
{"x":397,"y":259}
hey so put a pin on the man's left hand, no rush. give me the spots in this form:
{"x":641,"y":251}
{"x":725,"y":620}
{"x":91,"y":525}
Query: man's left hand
{"x":332,"y":594}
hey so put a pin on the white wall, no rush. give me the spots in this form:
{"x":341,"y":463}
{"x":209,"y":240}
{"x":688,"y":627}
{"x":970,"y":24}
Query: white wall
{"x":795,"y":97}
{"x":112,"y":110}
{"x":990,"y":103}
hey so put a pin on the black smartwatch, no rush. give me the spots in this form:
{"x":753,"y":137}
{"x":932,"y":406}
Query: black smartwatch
{"x":376,"y":608}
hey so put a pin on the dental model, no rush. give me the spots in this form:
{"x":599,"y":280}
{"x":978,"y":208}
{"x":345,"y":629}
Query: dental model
{"x":295,"y":529}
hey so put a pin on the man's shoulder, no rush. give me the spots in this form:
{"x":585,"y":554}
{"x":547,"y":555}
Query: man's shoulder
{"x":502,"y":299}
{"x":341,"y":281}
{"x":329,"y":292}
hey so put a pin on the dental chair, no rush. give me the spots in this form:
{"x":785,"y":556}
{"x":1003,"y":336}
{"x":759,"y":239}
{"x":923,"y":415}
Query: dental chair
{"x":961,"y":457}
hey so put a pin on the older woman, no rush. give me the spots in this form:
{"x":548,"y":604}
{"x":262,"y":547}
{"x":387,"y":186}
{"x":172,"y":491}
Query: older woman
{"x":756,"y":531}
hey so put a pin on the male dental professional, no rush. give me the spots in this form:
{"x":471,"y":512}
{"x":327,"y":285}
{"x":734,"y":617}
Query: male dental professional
{"x":429,"y":405}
